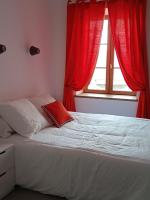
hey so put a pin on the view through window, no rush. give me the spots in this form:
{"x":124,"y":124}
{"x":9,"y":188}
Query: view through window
{"x":107,"y":77}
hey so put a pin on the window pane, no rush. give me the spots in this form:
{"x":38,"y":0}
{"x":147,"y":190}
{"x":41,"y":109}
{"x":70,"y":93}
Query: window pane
{"x":104,"y":32}
{"x":102,"y":57}
{"x":118,"y":81}
{"x":98,"y":81}
{"x":116,"y":63}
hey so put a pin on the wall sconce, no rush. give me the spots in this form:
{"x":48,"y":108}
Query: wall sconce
{"x":2,"y":48}
{"x":34,"y":50}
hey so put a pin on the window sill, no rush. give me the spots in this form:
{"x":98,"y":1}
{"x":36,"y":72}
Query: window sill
{"x":107,"y":96}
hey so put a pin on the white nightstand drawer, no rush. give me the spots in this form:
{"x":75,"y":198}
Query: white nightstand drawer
{"x":6,"y":159}
{"x":7,"y":182}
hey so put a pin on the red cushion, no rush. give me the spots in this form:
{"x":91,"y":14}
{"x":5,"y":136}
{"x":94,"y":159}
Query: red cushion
{"x":57,"y":113}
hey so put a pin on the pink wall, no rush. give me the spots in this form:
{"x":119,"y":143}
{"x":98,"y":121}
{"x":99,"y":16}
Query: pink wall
{"x":24,"y":23}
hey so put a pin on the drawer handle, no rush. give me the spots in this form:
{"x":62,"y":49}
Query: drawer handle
{"x":2,"y":152}
{"x":1,"y":175}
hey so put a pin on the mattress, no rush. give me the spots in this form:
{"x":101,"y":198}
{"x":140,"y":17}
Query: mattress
{"x":93,"y":157}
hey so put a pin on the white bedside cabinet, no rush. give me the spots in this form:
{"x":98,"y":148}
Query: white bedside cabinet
{"x":7,"y":169}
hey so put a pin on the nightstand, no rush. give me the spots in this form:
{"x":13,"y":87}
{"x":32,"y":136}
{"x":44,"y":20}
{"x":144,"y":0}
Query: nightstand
{"x":7,"y":169}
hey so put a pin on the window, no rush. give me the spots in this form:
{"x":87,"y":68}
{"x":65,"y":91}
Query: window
{"x":107,"y":77}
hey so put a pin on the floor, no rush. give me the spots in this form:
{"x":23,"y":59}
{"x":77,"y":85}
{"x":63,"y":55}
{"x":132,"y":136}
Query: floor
{"x":23,"y":194}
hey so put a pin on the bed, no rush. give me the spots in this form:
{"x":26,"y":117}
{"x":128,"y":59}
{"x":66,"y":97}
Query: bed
{"x":94,"y":157}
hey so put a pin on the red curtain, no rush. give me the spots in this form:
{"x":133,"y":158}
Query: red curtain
{"x":84,"y":27}
{"x":128,"y":21}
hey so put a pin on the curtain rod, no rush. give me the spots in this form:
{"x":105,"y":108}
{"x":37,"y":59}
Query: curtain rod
{"x":84,"y":1}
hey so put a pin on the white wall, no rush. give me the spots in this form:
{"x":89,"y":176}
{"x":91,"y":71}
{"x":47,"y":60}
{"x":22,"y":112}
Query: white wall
{"x":106,"y":106}
{"x":23,"y":23}
{"x":57,"y":23}
{"x":32,"y":22}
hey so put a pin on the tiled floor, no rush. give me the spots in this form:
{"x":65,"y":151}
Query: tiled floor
{"x":23,"y":194}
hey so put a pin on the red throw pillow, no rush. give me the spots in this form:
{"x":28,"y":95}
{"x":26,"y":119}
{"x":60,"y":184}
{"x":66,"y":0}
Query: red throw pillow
{"x":57,"y":113}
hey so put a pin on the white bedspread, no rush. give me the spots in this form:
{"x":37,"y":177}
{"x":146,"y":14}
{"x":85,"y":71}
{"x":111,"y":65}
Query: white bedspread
{"x":94,"y":157}
{"x":110,"y":134}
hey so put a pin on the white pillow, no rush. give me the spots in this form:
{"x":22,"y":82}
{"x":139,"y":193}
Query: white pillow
{"x":40,"y":101}
{"x":22,"y":116}
{"x":5,"y":130}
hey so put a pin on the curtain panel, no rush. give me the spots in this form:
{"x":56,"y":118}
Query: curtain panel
{"x":128,"y":27}
{"x":84,"y":28}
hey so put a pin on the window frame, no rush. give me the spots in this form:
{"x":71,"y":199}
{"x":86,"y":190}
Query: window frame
{"x":109,"y":70}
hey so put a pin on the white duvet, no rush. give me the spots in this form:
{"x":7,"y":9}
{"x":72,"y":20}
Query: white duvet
{"x":94,"y":157}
